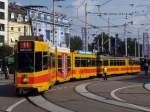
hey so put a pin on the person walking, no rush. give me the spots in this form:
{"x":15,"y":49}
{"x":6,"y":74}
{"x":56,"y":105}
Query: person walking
{"x":105,"y":73}
{"x":6,"y":72}
{"x":146,"y":68}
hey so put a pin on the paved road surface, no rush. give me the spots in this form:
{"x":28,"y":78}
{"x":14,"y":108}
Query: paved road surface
{"x":98,"y":96}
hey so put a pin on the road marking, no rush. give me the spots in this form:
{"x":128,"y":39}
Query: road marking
{"x":114,"y":91}
{"x":43,"y":103}
{"x":9,"y":109}
{"x":81,"y":89}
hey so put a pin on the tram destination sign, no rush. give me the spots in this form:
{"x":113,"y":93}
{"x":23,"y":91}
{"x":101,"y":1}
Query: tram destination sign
{"x":25,"y":46}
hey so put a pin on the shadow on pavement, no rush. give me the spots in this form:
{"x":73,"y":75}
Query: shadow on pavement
{"x":139,"y":78}
{"x":7,"y":90}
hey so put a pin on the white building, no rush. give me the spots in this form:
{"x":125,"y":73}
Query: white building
{"x":3,"y":21}
{"x":42,"y":24}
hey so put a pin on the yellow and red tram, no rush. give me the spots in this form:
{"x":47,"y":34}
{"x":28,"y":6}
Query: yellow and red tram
{"x":40,"y":67}
{"x":84,"y":65}
{"x":32,"y":66}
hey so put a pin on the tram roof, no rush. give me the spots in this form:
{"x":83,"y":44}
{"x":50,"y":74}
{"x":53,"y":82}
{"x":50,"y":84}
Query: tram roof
{"x":31,"y":38}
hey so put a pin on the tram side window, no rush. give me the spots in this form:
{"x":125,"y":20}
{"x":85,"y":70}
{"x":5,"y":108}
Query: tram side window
{"x":130,"y":62}
{"x":83,"y":62}
{"x":94,"y":62}
{"x":89,"y":62}
{"x":38,"y":61}
{"x":123,"y":62}
{"x":45,"y":60}
{"x":59,"y":61}
{"x":111,"y":63}
{"x":105,"y":62}
{"x":99,"y":63}
{"x":77,"y":62}
{"x":137,"y":63}
{"x":68,"y":61}
{"x":120,"y":62}
{"x":52,"y":60}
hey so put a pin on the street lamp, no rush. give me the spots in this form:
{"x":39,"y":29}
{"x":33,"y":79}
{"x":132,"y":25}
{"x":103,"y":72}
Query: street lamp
{"x":54,"y":19}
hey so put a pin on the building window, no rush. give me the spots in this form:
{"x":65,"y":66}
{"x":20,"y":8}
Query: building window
{"x":48,"y":18}
{"x":2,"y":5}
{"x":42,"y":16}
{"x":39,"y":16}
{"x":12,"y":15}
{"x":26,"y":18}
{"x":2,"y":27}
{"x":19,"y":29}
{"x":1,"y":39}
{"x":25,"y":30}
{"x":2,"y":15}
{"x":45,"y":16}
{"x":34,"y":29}
{"x":20,"y":18}
{"x":12,"y":28}
{"x":11,"y":40}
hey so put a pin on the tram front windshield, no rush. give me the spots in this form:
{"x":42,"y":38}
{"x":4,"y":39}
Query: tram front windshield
{"x":25,"y":62}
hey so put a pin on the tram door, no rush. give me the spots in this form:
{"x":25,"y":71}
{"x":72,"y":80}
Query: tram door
{"x":52,"y":68}
{"x":63,"y":67}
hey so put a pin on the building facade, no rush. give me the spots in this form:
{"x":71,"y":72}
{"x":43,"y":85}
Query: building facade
{"x":62,"y":30}
{"x":18,"y":23}
{"x":3,"y":21}
{"x":42,"y":24}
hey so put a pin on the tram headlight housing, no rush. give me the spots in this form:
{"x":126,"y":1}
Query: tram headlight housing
{"x":25,"y":79}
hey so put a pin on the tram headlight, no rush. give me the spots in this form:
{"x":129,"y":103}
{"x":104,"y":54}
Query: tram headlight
{"x":25,"y":79}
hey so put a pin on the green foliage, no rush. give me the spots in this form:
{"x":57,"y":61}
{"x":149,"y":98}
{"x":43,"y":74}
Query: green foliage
{"x":75,"y":43}
{"x":5,"y":51}
{"x":119,"y":47}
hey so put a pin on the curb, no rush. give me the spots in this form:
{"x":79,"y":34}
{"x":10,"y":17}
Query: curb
{"x":147,"y":86}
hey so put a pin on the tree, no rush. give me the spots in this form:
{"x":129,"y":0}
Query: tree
{"x":75,"y":43}
{"x":131,"y":47}
{"x":5,"y":51}
{"x":98,"y":42}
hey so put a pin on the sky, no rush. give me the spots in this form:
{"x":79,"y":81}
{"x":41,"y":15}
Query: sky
{"x":75,"y":9}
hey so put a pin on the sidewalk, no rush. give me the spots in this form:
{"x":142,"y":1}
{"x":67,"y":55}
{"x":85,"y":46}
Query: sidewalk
{"x":147,"y":86}
{"x":6,"y":81}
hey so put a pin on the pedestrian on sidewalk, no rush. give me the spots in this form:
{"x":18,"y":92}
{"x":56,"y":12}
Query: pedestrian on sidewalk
{"x":6,"y":72}
{"x":5,"y":68}
{"x":105,"y":73}
{"x":146,"y":68}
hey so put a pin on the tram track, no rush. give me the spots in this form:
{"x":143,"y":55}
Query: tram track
{"x":51,"y":106}
{"x":41,"y":102}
